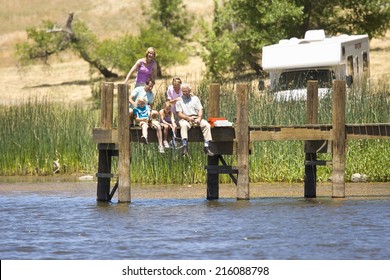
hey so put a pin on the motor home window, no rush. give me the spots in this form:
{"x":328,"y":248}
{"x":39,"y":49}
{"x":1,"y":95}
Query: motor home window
{"x":298,"y":79}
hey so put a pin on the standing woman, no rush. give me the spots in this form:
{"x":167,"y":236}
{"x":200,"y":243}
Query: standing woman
{"x":146,"y":68}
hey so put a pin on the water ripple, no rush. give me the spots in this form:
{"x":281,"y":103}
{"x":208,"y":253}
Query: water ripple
{"x":35,"y":226}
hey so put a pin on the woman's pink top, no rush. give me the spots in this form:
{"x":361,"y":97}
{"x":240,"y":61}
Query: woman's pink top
{"x":144,"y":73}
{"x":172,"y":94}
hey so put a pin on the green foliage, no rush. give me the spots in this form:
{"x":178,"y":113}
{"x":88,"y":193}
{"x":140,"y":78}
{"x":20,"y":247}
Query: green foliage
{"x":107,"y":55}
{"x":122,"y":52}
{"x":40,"y":44}
{"x":218,"y":54}
{"x":170,"y":50}
{"x":37,"y":133}
{"x":245,"y":26}
{"x":348,"y":16}
{"x":240,"y":28}
{"x":85,"y":40}
{"x":172,"y":15}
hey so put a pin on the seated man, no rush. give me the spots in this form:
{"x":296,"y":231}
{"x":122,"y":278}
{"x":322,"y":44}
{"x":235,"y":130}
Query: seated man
{"x":141,"y":92}
{"x":190,"y":112}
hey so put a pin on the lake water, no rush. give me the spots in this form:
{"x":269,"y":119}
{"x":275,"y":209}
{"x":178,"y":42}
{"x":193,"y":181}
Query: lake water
{"x":60,"y":225}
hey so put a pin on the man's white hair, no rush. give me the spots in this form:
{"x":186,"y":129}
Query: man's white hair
{"x":186,"y":85}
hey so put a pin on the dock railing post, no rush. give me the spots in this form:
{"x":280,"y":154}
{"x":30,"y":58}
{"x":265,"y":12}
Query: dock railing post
{"x":242,"y":138}
{"x":124,"y":188}
{"x":106,"y":105}
{"x":339,"y":139}
{"x":104,"y":160}
{"x":213,"y":111}
{"x":310,"y":156}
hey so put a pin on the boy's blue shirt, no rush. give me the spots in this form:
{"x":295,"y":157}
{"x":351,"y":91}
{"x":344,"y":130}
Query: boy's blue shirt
{"x":142,"y":113}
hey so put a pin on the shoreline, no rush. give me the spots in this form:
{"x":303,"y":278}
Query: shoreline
{"x":138,"y":191}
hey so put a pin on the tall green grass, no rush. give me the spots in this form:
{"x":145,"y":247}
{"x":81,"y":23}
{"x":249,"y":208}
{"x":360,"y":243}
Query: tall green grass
{"x":38,"y":132}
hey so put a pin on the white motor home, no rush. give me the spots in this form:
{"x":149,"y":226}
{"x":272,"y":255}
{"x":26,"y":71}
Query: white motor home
{"x":292,"y":62}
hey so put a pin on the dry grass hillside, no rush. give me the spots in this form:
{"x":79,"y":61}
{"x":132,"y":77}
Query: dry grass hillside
{"x":68,"y":78}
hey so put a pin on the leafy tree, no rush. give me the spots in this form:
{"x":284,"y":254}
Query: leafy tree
{"x":105,"y":56}
{"x":173,"y":16}
{"x":345,"y":16}
{"x":248,"y":25}
{"x":50,"y":40}
{"x":122,"y":52}
{"x":220,"y":47}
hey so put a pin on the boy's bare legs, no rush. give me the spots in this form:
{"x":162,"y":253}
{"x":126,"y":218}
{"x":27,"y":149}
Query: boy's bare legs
{"x":144,"y":125}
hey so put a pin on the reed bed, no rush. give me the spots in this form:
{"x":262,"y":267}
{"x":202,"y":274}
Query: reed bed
{"x":39,"y":137}
{"x":38,"y":133}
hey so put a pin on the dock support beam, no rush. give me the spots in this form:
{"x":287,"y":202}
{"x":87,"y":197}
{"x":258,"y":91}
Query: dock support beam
{"x":339,"y":139}
{"x":310,"y":156}
{"x":213,"y":112}
{"x":103,"y":183}
{"x":242,"y":138}
{"x":124,"y":189}
{"x":104,"y":161}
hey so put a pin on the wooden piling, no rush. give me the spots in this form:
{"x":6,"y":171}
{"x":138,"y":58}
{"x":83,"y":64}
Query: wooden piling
{"x":213,"y":111}
{"x":103,"y":182}
{"x":214,"y":97}
{"x":242,"y":138}
{"x":338,"y":139}
{"x":124,"y":188}
{"x":310,"y":156}
{"x":107,"y":100}
{"x":104,"y":160}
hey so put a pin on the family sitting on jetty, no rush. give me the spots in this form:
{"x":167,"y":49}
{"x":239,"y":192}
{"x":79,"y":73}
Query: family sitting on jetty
{"x":182,"y":108}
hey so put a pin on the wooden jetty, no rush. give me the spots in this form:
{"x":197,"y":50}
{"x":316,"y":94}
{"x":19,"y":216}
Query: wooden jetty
{"x":318,"y":138}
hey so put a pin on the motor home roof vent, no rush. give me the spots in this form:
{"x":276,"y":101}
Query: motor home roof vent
{"x":315,"y":35}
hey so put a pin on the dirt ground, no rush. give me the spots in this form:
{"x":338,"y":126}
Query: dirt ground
{"x":69,"y":81}
{"x":56,"y":186}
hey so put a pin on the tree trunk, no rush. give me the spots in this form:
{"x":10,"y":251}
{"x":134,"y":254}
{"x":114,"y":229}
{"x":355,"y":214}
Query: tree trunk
{"x":96,"y":63}
{"x":70,"y":36}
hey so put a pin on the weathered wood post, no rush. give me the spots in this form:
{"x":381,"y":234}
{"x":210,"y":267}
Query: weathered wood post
{"x":339,"y":138}
{"x":124,"y":190}
{"x":214,"y":97}
{"x":107,"y":105}
{"x":213,"y":111}
{"x":104,"y":160}
{"x":242,"y":138}
{"x":310,"y":156}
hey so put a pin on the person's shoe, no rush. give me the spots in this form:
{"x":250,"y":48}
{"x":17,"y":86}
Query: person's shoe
{"x":208,"y":152}
{"x":144,"y":140}
{"x":166,"y":145}
{"x":184,"y":151}
{"x":161,"y":149}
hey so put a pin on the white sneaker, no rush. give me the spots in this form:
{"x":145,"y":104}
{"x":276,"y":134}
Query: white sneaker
{"x":166,"y":145}
{"x":161,"y":149}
